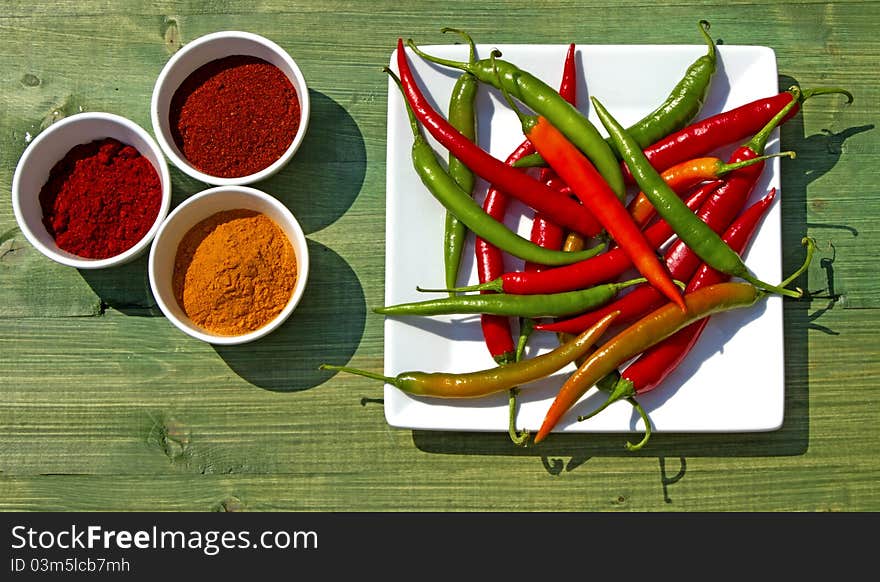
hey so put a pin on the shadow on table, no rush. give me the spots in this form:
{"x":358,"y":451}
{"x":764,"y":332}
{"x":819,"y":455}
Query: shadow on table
{"x":324,"y":178}
{"x":125,"y":288}
{"x":817,"y":155}
{"x":326,"y":326}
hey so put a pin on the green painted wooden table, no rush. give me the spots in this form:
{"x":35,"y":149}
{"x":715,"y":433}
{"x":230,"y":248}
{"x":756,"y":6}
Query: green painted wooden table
{"x":105,"y":405}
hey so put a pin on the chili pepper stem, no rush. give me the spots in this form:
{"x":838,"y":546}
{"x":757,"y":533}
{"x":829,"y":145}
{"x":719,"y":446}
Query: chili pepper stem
{"x":704,"y":29}
{"x":526,"y":326}
{"x":726,"y":168}
{"x":472,"y":55}
{"x":807,"y":93}
{"x":781,"y":288}
{"x":365,"y":373}
{"x":622,"y":389}
{"x":410,"y":43}
{"x":518,"y":438}
{"x":778,"y":289}
{"x":811,"y":248}
{"x":646,"y":420}
{"x":527,"y":121}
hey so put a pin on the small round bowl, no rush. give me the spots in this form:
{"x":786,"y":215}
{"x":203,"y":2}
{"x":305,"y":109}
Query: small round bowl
{"x":192,"y":211}
{"x":201,"y":51}
{"x":49,"y":147}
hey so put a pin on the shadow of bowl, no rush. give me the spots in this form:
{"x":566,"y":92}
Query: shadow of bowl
{"x":327,"y":326}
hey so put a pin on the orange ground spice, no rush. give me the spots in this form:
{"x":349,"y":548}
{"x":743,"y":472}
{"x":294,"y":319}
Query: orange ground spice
{"x":234,"y":272}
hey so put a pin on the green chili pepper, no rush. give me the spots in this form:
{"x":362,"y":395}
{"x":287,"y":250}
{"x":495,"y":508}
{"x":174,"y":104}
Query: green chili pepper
{"x":684,"y":101}
{"x":696,"y":234}
{"x":547,"y":305}
{"x":462,"y":116}
{"x":492,"y":380}
{"x":455,"y":200}
{"x":546,"y":101}
{"x":680,"y":107}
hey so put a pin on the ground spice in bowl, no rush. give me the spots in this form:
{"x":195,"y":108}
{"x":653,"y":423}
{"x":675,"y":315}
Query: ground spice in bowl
{"x":234,"y":272}
{"x":100,"y":199}
{"x":234,"y":116}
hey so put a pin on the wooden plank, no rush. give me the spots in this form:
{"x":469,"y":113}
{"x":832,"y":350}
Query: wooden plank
{"x":671,"y":483}
{"x":193,"y":409}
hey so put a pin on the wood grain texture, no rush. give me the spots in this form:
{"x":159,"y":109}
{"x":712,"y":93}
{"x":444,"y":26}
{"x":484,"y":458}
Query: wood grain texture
{"x":104,"y":405}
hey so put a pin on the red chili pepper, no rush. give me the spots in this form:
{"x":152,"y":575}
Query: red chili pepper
{"x":496,"y":329}
{"x":652,"y":367}
{"x":598,"y":269}
{"x":490,"y":264}
{"x":558,"y":207}
{"x":568,"y":84}
{"x":545,"y":232}
{"x":729,"y":200}
{"x":729,"y":127}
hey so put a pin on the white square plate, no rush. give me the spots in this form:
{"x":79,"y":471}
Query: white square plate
{"x":732,"y":381}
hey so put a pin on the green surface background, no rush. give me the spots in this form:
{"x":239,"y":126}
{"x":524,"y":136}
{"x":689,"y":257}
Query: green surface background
{"x":105,"y":406}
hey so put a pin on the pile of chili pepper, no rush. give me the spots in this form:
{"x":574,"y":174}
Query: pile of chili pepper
{"x":653,"y":198}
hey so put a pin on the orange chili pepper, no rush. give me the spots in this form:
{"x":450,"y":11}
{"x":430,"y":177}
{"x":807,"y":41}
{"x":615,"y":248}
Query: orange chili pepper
{"x":641,"y":335}
{"x":684,"y":175}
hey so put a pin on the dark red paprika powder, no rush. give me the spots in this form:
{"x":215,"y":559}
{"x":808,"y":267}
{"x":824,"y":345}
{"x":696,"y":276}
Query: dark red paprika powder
{"x":234,"y":116}
{"x":100,"y":199}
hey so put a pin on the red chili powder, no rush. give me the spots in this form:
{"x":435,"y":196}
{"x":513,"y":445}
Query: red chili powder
{"x":234,"y":116}
{"x":100,"y":199}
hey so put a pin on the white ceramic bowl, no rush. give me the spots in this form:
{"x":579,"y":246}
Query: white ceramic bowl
{"x":201,"y":51}
{"x":49,"y":147}
{"x":192,"y":211}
